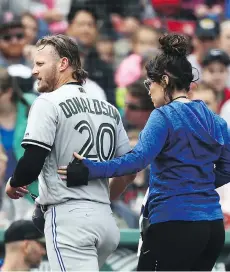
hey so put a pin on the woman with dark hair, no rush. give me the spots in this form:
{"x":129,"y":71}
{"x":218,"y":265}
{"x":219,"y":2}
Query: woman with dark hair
{"x":188,"y":148}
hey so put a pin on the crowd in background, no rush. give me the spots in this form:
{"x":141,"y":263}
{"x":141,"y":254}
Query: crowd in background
{"x":116,"y":39}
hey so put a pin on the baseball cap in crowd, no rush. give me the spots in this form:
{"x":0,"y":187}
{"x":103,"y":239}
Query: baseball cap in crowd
{"x":207,"y":28}
{"x":21,"y":230}
{"x":216,"y":55}
{"x":9,"y":20}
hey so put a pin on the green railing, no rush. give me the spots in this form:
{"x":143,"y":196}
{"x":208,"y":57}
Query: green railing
{"x":130,"y":237}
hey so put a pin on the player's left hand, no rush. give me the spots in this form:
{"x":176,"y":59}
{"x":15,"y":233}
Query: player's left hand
{"x":15,"y":192}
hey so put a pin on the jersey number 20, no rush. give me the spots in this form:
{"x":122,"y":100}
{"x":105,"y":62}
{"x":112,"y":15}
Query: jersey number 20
{"x":104,"y":128}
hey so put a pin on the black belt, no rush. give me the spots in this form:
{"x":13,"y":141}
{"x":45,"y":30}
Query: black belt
{"x":44,"y":208}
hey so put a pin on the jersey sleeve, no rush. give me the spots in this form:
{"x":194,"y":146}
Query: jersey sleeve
{"x":123,"y":145}
{"x":42,"y":124}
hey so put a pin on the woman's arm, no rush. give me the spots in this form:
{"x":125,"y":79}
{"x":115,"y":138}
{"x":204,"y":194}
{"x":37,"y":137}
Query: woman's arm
{"x":151,"y":141}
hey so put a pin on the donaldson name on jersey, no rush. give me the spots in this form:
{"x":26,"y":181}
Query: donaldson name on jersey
{"x":77,"y":105}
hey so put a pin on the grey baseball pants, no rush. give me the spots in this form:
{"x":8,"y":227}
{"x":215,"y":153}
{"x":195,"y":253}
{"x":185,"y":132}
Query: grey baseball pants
{"x":80,"y":235}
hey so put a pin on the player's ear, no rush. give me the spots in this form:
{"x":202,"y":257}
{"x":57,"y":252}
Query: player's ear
{"x":64,"y":64}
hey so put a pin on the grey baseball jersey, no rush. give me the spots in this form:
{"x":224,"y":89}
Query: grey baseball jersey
{"x":68,"y":120}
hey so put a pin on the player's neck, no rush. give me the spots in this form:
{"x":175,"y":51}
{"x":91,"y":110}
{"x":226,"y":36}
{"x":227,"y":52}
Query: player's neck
{"x":14,"y":263}
{"x":63,"y":81}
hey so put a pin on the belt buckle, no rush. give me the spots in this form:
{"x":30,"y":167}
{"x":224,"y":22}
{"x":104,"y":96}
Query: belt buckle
{"x":43,"y":208}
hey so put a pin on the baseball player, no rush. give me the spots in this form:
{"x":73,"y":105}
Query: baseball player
{"x":80,"y":229}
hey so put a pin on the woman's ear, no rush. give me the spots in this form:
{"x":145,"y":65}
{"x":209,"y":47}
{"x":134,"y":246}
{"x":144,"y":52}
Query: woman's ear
{"x":164,"y":81}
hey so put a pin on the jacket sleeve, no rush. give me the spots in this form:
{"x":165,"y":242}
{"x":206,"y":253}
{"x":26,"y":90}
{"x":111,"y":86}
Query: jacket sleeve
{"x":151,"y":141}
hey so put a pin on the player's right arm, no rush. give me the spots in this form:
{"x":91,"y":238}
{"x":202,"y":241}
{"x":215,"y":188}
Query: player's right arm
{"x":38,"y":141}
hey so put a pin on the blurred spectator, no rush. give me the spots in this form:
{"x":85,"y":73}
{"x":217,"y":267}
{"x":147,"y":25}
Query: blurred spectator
{"x":129,"y":25}
{"x":167,"y":7}
{"x":94,"y":90}
{"x":138,"y":106}
{"x":207,"y":94}
{"x":14,"y":108}
{"x":215,"y":73}
{"x":105,"y":49}
{"x":225,"y":112}
{"x":225,"y":36}
{"x":225,"y":41}
{"x":121,"y":91}
{"x":227,"y":263}
{"x":146,"y":56}
{"x":134,"y":194}
{"x":16,"y":7}
{"x":130,"y":69}
{"x":50,"y":11}
{"x":30,"y":25}
{"x":12,"y":40}
{"x":144,"y":38}
{"x":83,"y":27}
{"x":124,"y":15}
{"x":128,"y":206}
{"x":3,"y":163}
{"x":189,"y":10}
{"x":148,"y":11}
{"x":213,"y":8}
{"x":123,"y":46}
{"x":23,"y":76}
{"x":224,"y":193}
{"x":178,"y":9}
{"x":24,"y":247}
{"x":206,"y":37}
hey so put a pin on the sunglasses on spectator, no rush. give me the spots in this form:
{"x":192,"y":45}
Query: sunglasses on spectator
{"x":133,"y":107}
{"x":9,"y":37}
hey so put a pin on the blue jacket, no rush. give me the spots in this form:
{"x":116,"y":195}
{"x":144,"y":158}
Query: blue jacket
{"x":182,"y":142}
